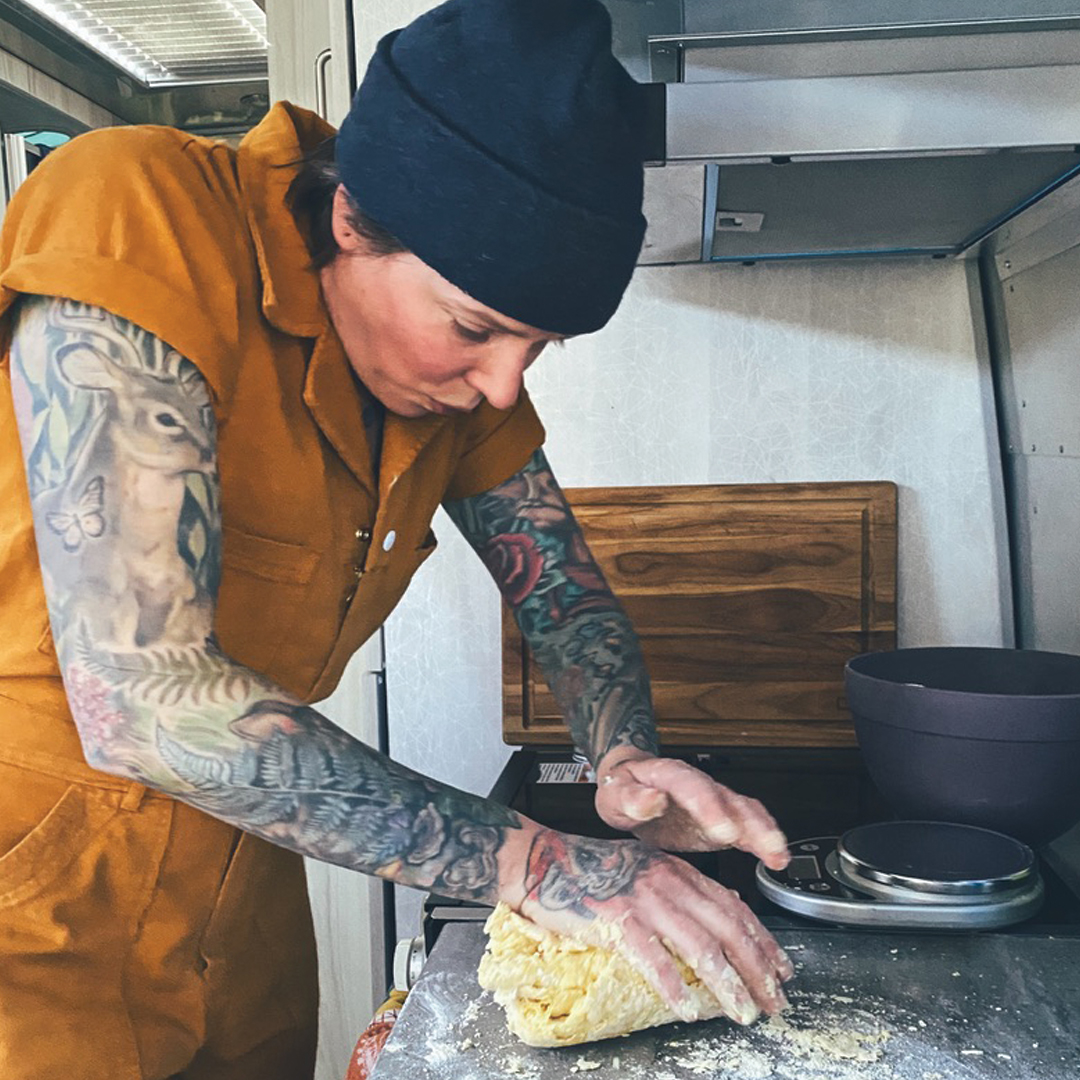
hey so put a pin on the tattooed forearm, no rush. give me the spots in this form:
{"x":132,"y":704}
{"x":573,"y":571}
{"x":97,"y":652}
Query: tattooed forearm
{"x":572,"y":872}
{"x":299,"y":781}
{"x":527,"y":536}
{"x":596,"y":671}
{"x":281,"y":770}
{"x":121,"y":454}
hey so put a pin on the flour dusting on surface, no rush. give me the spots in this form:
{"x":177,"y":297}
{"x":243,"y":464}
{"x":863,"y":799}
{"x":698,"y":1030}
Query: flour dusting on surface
{"x":863,"y":1020}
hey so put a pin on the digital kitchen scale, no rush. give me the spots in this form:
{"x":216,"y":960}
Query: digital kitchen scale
{"x":918,"y":874}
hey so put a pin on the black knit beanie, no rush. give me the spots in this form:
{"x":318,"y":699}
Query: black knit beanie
{"x":500,"y":142}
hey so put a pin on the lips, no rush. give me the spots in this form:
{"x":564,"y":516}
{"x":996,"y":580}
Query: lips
{"x":443,"y":409}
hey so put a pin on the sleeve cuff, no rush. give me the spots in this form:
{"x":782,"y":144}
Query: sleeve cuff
{"x":503,"y":451}
{"x":129,"y":293}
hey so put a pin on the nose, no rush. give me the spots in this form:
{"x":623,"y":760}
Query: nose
{"x":500,"y":375}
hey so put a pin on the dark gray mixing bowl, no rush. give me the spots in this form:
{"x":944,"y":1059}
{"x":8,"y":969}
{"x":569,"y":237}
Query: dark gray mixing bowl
{"x":978,"y":736}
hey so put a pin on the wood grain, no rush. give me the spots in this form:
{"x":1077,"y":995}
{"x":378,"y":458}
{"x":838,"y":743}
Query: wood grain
{"x":748,"y":599}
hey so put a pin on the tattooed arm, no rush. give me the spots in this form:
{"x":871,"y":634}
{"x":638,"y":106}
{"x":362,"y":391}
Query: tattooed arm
{"x":525,"y":532}
{"x":120,"y":448}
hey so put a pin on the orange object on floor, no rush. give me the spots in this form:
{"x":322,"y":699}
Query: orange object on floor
{"x":374,"y":1036}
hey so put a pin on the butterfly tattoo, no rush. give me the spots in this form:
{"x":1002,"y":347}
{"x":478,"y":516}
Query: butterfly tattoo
{"x":83,"y":521}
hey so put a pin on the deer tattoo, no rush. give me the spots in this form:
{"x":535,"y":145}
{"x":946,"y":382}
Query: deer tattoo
{"x":127,"y":482}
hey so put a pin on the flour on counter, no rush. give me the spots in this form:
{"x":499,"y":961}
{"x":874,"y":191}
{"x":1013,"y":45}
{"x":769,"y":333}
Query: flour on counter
{"x":818,"y":1038}
{"x":832,"y":1041}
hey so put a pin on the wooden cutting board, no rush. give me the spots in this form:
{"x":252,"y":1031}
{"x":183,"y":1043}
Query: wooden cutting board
{"x":748,"y":599}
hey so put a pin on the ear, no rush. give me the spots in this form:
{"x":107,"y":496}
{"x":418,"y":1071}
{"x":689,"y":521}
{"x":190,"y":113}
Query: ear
{"x":190,"y":379}
{"x":345,"y":236}
{"x":83,"y":365}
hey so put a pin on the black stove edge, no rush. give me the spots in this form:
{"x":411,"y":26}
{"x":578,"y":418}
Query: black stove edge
{"x":1064,"y":862}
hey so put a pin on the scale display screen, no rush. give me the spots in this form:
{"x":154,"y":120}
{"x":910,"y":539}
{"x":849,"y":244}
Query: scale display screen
{"x":803,"y":868}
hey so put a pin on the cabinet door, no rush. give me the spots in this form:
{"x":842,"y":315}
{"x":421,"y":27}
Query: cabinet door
{"x":309,"y":55}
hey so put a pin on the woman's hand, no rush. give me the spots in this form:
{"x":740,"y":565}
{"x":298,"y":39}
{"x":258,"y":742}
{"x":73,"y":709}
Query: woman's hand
{"x":670,"y":804}
{"x":658,"y":905}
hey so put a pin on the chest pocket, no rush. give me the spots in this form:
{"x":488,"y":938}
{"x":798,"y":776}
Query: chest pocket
{"x":261,"y":602}
{"x":368,"y":608}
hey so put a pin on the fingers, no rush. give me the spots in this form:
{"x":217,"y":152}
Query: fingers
{"x":744,"y":948}
{"x":715,"y":934}
{"x":649,"y":955}
{"x":641,"y":803}
{"x":758,"y":832}
{"x":721,"y":816}
{"x":731,"y":952}
{"x":664,"y":909}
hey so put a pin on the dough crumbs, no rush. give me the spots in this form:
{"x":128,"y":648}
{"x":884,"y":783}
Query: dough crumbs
{"x":717,"y":1058}
{"x":584,"y":1065}
{"x":846,"y":1044}
{"x":815,"y":1040}
{"x":518,"y":1066}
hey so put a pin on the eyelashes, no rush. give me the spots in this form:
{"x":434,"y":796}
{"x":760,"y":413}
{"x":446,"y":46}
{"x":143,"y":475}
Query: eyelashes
{"x":476,"y":337}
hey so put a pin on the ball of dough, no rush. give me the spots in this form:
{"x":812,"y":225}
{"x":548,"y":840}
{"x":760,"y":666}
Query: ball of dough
{"x":558,"y":991}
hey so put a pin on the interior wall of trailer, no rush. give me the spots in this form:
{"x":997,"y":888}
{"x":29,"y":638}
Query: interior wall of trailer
{"x":767,"y":373}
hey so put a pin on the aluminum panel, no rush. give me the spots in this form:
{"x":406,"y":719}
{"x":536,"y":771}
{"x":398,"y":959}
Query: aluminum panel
{"x":711,"y":16}
{"x":1042,"y":374}
{"x":861,"y":116}
{"x":1044,"y":230}
{"x":930,"y":205}
{"x":1047,"y":551}
{"x":813,"y":58}
{"x":674,"y":198}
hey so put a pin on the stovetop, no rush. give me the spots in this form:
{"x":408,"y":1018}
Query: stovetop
{"x":813,"y":792}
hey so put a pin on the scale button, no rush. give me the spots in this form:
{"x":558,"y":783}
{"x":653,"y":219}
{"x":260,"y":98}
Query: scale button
{"x":809,"y":847}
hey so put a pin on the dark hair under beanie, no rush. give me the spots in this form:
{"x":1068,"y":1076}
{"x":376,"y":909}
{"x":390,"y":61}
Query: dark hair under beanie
{"x":500,"y":141}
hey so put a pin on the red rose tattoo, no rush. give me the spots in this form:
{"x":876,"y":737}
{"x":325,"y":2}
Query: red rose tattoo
{"x":575,"y":872}
{"x":515,"y":562}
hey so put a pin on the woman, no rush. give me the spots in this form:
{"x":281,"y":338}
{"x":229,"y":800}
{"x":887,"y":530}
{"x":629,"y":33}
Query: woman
{"x":243,"y":383}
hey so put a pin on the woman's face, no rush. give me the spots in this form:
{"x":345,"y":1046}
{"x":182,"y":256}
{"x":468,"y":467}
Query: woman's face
{"x":418,"y":343}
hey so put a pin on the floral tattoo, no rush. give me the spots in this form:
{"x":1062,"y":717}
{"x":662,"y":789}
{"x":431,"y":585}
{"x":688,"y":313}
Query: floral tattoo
{"x":526,"y":534}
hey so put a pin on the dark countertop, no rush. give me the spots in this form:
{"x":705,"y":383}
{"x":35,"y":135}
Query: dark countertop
{"x":927,"y":1007}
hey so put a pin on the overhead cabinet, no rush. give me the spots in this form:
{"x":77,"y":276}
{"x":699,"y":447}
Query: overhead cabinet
{"x":869,"y":131}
